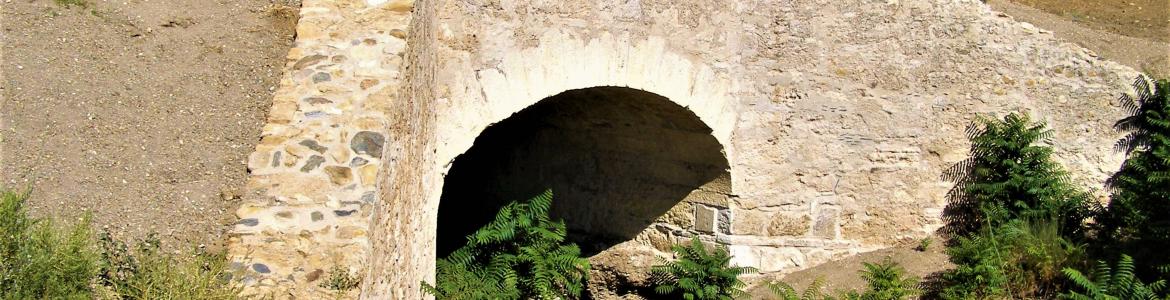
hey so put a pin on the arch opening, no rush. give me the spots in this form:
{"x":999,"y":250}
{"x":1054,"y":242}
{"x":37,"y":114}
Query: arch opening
{"x":624,"y":165}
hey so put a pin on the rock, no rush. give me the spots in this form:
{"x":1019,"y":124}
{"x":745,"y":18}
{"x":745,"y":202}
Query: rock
{"x":276,"y":159}
{"x":349,"y":232}
{"x":339,"y":175}
{"x":357,"y":162}
{"x":318,"y":100}
{"x":706,"y":218}
{"x":398,"y":33}
{"x":343,"y":213}
{"x":367,"y":83}
{"x":321,"y":77}
{"x":369,"y":174}
{"x":249,"y":222}
{"x":313,"y":145}
{"x":368,"y":143}
{"x":261,"y":268}
{"x":316,"y":216}
{"x":308,"y":61}
{"x":313,"y":162}
{"x":284,"y":215}
{"x":314,"y":275}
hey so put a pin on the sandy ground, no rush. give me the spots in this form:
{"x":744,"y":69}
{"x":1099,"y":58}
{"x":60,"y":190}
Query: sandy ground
{"x":139,"y":111}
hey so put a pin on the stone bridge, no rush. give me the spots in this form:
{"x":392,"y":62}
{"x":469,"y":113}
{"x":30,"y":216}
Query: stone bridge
{"x":794,"y":131}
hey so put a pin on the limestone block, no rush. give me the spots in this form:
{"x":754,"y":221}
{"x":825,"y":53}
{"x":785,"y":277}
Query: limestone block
{"x":706,"y":218}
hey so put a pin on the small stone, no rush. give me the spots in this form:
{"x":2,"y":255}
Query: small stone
{"x":316,"y":114}
{"x":367,"y":83}
{"x":369,"y":174}
{"x":249,"y":222}
{"x":338,"y":59}
{"x":316,"y":216}
{"x":358,"y":161}
{"x":261,"y":268}
{"x":276,"y":159}
{"x":368,"y":197}
{"x":321,"y":77}
{"x":398,"y":33}
{"x":370,"y":41}
{"x":368,"y":143}
{"x":308,"y":61}
{"x":339,"y":175}
{"x":705,"y":218}
{"x":313,"y":145}
{"x":314,"y":275}
{"x":350,"y":232}
{"x":318,"y":100}
{"x":343,"y":213}
{"x":313,"y":162}
{"x":284,"y":215}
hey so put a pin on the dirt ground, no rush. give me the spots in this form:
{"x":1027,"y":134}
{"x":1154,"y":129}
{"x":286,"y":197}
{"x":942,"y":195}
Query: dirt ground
{"x":139,"y":111}
{"x":1135,"y":33}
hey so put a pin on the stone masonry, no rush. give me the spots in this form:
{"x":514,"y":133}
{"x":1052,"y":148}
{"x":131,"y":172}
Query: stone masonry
{"x":836,"y":120}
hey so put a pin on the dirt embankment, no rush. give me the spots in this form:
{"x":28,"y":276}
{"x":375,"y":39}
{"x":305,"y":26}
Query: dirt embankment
{"x":1135,"y":33}
{"x":139,"y":111}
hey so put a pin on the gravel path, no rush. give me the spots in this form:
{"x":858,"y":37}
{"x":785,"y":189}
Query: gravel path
{"x":139,"y":111}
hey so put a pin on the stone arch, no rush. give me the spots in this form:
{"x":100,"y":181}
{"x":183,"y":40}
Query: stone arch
{"x":625,"y":165}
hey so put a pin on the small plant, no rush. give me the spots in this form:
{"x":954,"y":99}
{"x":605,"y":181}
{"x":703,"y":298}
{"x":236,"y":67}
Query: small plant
{"x":924,"y":244}
{"x":1113,"y":283}
{"x":886,"y":281}
{"x":699,"y":274}
{"x":41,"y":260}
{"x":341,"y":280}
{"x":70,"y":3}
{"x":521,"y":254}
{"x":813,"y":292}
{"x":147,"y":272}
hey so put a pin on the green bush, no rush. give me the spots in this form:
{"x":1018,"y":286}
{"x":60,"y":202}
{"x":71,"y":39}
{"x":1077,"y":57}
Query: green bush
{"x":1011,"y":176}
{"x":886,"y":281}
{"x":40,"y":260}
{"x":147,"y":272}
{"x":1020,"y":259}
{"x":1113,"y":283}
{"x":521,"y":254}
{"x":699,"y":273}
{"x":1138,"y":218}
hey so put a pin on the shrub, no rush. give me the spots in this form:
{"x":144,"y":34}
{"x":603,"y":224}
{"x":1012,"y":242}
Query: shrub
{"x":1010,"y":176}
{"x":886,"y":281}
{"x":1113,"y":283}
{"x":40,"y":260}
{"x":1021,"y":259}
{"x":1138,"y":215}
{"x":147,"y":272}
{"x":520,"y":254}
{"x":341,"y":280}
{"x":699,"y":273}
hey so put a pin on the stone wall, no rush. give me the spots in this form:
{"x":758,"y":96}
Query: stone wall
{"x":836,"y":118}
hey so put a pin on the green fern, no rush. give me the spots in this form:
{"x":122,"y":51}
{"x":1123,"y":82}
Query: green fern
{"x":1011,"y":175}
{"x":521,"y":254}
{"x":1138,"y":218}
{"x":887,"y":281}
{"x":814,"y":291}
{"x":1119,"y":283}
{"x":699,"y":274}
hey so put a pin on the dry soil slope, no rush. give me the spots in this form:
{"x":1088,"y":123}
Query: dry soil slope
{"x":139,"y":111}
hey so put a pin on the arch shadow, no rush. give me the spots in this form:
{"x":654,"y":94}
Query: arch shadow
{"x":617,"y":159}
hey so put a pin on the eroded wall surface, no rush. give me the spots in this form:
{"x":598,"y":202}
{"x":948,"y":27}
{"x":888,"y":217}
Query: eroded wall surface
{"x":837,"y":118}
